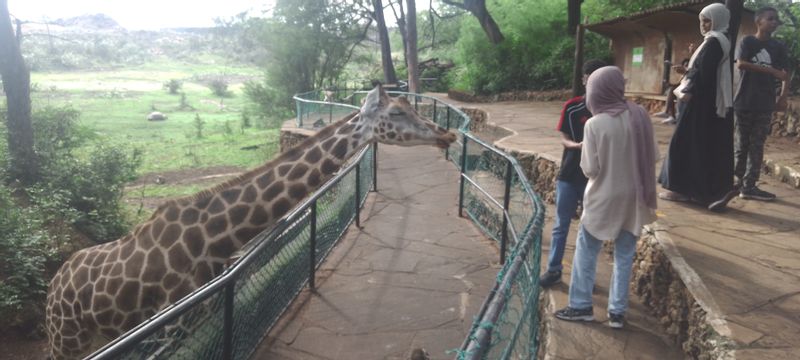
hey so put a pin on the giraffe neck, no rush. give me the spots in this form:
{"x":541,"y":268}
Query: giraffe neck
{"x":220,"y":221}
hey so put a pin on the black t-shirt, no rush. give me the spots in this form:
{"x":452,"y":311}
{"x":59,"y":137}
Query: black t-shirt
{"x":573,"y":117}
{"x":756,"y":91}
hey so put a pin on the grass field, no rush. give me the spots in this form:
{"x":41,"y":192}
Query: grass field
{"x":115,"y":104}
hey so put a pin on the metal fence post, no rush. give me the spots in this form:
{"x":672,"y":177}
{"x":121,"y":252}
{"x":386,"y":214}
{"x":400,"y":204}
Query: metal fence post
{"x":434,"y":111}
{"x":416,"y":99}
{"x":375,"y":166}
{"x":330,"y":113}
{"x":463,"y":174}
{"x":227,"y":331}
{"x":312,"y":255}
{"x":358,"y":194}
{"x":447,"y":127}
{"x":506,"y":200}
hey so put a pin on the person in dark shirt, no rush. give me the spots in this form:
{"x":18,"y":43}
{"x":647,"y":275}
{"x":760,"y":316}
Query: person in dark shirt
{"x":571,"y":182}
{"x":762,"y":63}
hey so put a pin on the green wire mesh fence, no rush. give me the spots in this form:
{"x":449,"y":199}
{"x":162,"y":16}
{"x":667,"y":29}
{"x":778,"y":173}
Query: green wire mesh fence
{"x":228,"y":317}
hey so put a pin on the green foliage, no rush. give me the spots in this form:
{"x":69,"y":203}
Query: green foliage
{"x":25,"y":249}
{"x":266,"y":103}
{"x":173,"y":86}
{"x":199,"y":124}
{"x":537,"y":52}
{"x":82,"y":177}
{"x":219,"y":86}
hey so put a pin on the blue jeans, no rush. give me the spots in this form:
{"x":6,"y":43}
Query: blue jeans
{"x":585,"y":266}
{"x":568,"y":195}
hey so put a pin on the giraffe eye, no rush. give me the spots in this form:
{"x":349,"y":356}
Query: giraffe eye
{"x":396,"y":113}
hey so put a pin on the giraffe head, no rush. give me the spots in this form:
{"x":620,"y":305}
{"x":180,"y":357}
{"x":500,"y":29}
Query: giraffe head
{"x":394,"y":121}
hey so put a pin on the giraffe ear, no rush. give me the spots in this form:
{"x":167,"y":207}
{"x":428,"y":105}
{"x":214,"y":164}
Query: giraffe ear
{"x":376,"y":99}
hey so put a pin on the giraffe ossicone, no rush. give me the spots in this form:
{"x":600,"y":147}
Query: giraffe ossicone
{"x":102,"y":291}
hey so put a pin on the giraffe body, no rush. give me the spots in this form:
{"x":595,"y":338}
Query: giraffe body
{"x":105,"y":290}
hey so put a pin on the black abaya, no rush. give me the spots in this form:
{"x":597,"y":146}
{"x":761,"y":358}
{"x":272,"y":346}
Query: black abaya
{"x":699,"y":163}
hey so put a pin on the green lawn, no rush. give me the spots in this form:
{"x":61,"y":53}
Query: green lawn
{"x":115,"y":104}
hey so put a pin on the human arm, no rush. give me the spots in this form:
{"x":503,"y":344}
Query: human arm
{"x":590,"y":163}
{"x":703,"y":74}
{"x":569,"y":143}
{"x":779,"y":74}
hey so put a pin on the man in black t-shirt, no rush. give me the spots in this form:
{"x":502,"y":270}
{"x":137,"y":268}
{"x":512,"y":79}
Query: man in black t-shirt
{"x":571,"y":182}
{"x":762,"y":63}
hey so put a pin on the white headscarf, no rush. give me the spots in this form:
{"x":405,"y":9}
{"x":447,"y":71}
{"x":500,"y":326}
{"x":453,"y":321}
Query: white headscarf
{"x":720,"y":17}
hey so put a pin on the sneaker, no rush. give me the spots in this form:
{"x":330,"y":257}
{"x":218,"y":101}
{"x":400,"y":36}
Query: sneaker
{"x":616,"y":321}
{"x":756,"y":194}
{"x":550,"y":278}
{"x":669,"y":121}
{"x":571,"y":314}
{"x":662,"y":114}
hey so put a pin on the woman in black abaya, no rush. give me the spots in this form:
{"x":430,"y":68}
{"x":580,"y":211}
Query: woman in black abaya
{"x":699,"y":163}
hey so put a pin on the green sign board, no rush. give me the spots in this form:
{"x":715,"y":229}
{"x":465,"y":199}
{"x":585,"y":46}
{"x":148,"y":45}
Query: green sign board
{"x":638,"y":56}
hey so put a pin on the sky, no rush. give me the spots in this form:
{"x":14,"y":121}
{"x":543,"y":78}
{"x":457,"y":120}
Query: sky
{"x":139,"y":14}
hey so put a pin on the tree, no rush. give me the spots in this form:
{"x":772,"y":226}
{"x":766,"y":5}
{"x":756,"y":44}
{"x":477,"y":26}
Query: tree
{"x":478,"y":9}
{"x":23,"y":164}
{"x":573,"y":15}
{"x":389,"y":75}
{"x":411,"y":47}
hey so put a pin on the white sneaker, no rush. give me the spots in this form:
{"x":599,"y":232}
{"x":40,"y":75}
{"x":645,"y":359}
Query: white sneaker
{"x":669,"y":121}
{"x":662,"y":114}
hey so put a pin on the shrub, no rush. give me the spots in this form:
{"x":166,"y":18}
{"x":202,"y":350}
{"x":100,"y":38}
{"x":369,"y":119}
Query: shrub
{"x":25,"y":249}
{"x":266,"y":104}
{"x":199,"y":124}
{"x":173,"y":86}
{"x":219,"y":87}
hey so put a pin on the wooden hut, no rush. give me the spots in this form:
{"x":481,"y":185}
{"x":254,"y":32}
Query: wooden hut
{"x":644,"y":42}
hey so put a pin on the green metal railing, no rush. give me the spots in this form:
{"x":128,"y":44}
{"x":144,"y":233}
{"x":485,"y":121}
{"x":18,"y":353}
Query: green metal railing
{"x":229,"y":316}
{"x":495,"y":194}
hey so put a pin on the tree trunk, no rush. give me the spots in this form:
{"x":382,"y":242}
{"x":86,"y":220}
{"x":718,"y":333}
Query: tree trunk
{"x":23,"y":165}
{"x":573,"y":15}
{"x":577,"y":68}
{"x":478,"y":9}
{"x":735,"y":7}
{"x":413,"y":61}
{"x":389,"y":76}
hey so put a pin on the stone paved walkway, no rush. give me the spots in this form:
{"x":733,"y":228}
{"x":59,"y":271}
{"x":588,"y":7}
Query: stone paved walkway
{"x":747,"y":259}
{"x":413,"y":277}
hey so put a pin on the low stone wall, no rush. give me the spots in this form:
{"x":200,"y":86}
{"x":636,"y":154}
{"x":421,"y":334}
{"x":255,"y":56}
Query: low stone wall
{"x":291,"y":136}
{"x":651,"y":105}
{"x":547,"y":95}
{"x":788,"y":122}
{"x":664,"y":292}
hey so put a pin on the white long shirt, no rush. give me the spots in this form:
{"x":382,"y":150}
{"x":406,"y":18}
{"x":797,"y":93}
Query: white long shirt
{"x":610,"y":204}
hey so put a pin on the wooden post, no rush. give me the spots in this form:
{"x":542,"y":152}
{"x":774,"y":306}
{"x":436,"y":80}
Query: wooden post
{"x":577,"y":73}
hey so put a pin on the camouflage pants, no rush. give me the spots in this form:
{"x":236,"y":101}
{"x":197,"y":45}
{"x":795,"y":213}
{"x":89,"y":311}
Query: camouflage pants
{"x":750,"y":133}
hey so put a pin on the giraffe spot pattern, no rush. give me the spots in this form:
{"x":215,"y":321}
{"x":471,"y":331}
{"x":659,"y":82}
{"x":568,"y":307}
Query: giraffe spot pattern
{"x":216,"y":206}
{"x":222,"y":248}
{"x":313,"y":155}
{"x":171,"y":234}
{"x":246,"y":234}
{"x":178,"y":260}
{"x":298,"y":191}
{"x":297,"y":172}
{"x":346,"y":129}
{"x":133,"y":266}
{"x":172,"y":213}
{"x":203,"y":273}
{"x":328,"y":167}
{"x":280,"y":208}
{"x":250,"y":194}
{"x":231,"y":195}
{"x":314,"y":178}
{"x":182,"y":290}
{"x":340,"y":150}
{"x":259,"y":216}
{"x":128,"y":294}
{"x":189,"y":216}
{"x":238,"y":214}
{"x":156,"y":267}
{"x":283,"y":169}
{"x":326,"y":145}
{"x":158,"y":227}
{"x":264,"y":180}
{"x":170,"y":281}
{"x":216,"y":225}
{"x":272,"y":192}
{"x":391,"y":134}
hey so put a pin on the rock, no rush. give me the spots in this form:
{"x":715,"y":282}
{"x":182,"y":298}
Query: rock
{"x":156,"y":116}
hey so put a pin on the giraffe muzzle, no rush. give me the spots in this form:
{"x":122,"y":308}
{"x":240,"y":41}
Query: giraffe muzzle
{"x":444,"y":141}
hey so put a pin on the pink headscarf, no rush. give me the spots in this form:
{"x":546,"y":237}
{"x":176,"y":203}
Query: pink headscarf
{"x":605,"y":93}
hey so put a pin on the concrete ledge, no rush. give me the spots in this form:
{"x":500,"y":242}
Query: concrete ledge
{"x":674,"y":293}
{"x":782,"y":172}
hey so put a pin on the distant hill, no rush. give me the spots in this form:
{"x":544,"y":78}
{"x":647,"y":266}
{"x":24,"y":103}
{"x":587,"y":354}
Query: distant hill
{"x":93,"y":21}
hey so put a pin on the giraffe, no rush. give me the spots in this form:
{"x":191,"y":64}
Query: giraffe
{"x":102,"y":291}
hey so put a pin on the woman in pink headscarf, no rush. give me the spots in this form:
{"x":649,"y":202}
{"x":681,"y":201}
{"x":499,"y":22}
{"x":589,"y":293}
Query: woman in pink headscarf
{"x":699,"y":164}
{"x":618,"y":157}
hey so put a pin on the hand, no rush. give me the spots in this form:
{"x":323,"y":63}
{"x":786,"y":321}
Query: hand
{"x":691,"y":48}
{"x":781,"y":104}
{"x":679,"y":69}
